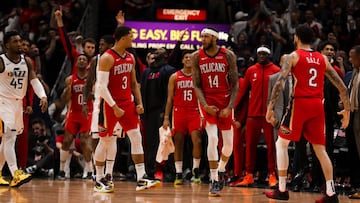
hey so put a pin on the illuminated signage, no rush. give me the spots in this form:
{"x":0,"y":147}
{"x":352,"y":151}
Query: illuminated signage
{"x":180,"y":14}
{"x":153,"y":35}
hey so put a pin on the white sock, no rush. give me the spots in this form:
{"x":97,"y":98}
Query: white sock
{"x":109,"y":166}
{"x":330,"y":189}
{"x":196,"y":163}
{"x":222,"y":164}
{"x":178,"y":166}
{"x":214,"y":174}
{"x":140,"y":170}
{"x":282,"y":183}
{"x":99,"y":172}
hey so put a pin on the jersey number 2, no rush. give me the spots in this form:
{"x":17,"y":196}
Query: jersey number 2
{"x":314,"y":74}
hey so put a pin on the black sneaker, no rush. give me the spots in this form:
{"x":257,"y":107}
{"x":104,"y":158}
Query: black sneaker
{"x":221,"y":180}
{"x":178,"y":179}
{"x":61,"y":175}
{"x":214,"y":189}
{"x":196,"y":176}
{"x":146,"y":183}
{"x":276,"y":194}
{"x":327,"y":199}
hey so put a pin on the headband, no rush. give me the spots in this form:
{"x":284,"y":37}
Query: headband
{"x":210,"y":32}
{"x":263,"y":49}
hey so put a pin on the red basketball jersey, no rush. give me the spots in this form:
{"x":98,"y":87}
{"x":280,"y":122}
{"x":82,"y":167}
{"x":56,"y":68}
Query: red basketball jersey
{"x":214,"y":72}
{"x":77,"y":98}
{"x":184,"y":94}
{"x":120,"y":77}
{"x":309,"y":74}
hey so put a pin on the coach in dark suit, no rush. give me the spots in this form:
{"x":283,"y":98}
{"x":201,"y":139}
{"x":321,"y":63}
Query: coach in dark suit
{"x":353,"y":130}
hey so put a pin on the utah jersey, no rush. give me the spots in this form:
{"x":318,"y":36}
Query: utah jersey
{"x":120,"y":77}
{"x":14,"y":78}
{"x":184,"y":94}
{"x":309,"y":74}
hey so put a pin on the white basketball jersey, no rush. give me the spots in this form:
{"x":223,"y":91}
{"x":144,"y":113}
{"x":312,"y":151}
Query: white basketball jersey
{"x":14,"y":78}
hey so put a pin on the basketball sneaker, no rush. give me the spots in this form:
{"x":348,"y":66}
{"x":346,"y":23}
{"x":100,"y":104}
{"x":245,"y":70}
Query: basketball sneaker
{"x":61,"y":175}
{"x":327,"y":199}
{"x":196,"y":176}
{"x":221,"y":180}
{"x":19,"y":178}
{"x":272,"y":180}
{"x":248,"y":180}
{"x":146,"y":183}
{"x":276,"y":194}
{"x":3,"y":182}
{"x":104,"y":185}
{"x":214,"y":189}
{"x":178,"y":179}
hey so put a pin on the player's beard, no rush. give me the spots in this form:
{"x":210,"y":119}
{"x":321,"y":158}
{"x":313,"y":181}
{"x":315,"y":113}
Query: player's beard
{"x":208,"y":47}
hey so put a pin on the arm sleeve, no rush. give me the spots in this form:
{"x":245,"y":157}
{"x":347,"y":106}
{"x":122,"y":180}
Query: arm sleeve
{"x":101,"y":86}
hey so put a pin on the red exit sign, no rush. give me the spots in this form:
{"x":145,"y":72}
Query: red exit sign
{"x":180,"y":14}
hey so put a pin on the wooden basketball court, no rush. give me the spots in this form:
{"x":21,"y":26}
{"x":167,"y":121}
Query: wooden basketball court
{"x":81,"y":191}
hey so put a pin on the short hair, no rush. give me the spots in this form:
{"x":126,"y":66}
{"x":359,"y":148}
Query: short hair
{"x":356,"y":49}
{"x":305,"y":34}
{"x":38,"y":121}
{"x":121,"y":32}
{"x":324,"y":44}
{"x":9,"y":34}
{"x":186,"y":52}
{"x":90,"y":40}
{"x":108,"y":39}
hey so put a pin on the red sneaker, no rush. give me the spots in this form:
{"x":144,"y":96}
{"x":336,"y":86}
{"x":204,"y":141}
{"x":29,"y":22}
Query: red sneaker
{"x":276,"y":194}
{"x":327,"y":199}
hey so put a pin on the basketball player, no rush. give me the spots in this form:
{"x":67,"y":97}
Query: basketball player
{"x":215,"y":81}
{"x":183,"y":103}
{"x":306,"y":113}
{"x":119,"y":88}
{"x":76,"y":122}
{"x":15,"y":73}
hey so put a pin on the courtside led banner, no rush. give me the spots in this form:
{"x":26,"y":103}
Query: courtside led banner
{"x":153,"y":35}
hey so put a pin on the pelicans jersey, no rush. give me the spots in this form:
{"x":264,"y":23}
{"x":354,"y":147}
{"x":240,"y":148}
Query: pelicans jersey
{"x":186,"y":117}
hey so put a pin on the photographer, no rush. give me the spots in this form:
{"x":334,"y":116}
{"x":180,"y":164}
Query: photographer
{"x":41,"y":155}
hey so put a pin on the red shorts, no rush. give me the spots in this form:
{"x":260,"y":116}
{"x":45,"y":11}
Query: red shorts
{"x":306,"y":116}
{"x":186,"y":120}
{"x":77,"y":123}
{"x":129,"y":121}
{"x":222,"y":123}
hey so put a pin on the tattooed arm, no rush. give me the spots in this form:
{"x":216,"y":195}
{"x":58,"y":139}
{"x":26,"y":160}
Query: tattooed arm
{"x":334,"y":78}
{"x":197,"y":85}
{"x":233,"y":73}
{"x":233,"y":76}
{"x":279,"y":84}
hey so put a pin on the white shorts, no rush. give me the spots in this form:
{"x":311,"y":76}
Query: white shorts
{"x":11,"y":113}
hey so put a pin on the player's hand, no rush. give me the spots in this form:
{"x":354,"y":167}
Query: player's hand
{"x":212,"y":110}
{"x":58,"y":13}
{"x":28,"y":110}
{"x":118,"y":111}
{"x":345,"y":118}
{"x":43,"y":104}
{"x":270,"y":116}
{"x":139,"y":109}
{"x":224,"y":113}
{"x":120,"y":18}
{"x":85,"y":110}
{"x":237,"y":124}
{"x":182,"y":34}
{"x":166,"y":123}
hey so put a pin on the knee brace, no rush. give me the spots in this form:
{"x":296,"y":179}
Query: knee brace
{"x":228,"y":137}
{"x":135,"y":140}
{"x":212,"y":152}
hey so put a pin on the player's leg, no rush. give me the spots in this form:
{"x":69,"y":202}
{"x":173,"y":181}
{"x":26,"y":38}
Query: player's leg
{"x":65,"y":153}
{"x":178,"y":157}
{"x":196,"y":152}
{"x":86,"y":151}
{"x":213,"y":157}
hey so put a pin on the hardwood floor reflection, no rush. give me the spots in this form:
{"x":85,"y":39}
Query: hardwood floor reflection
{"x":81,"y":191}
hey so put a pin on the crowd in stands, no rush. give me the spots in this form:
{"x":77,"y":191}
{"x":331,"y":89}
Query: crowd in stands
{"x":253,"y":23}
